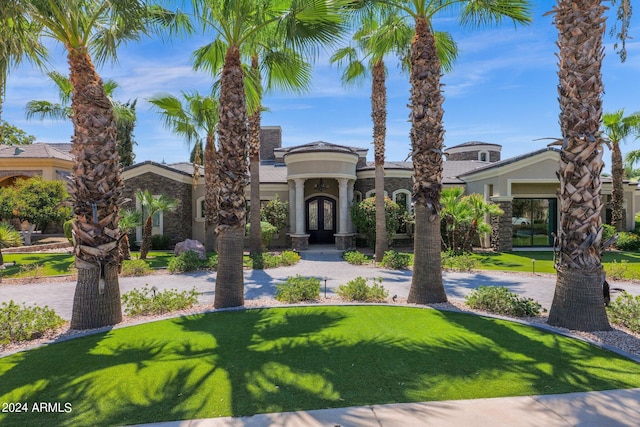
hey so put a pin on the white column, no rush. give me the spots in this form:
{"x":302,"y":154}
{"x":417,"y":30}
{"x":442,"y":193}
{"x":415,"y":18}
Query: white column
{"x":292,"y":207}
{"x":350,"y":228}
{"x":342,"y":225}
{"x":300,"y":206}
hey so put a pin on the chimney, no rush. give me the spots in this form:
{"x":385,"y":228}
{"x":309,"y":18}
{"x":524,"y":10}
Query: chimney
{"x":270,"y":138}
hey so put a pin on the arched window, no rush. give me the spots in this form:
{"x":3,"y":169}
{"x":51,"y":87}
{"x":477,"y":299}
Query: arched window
{"x":483,"y":156}
{"x":372,"y":193}
{"x":403,"y":198}
{"x":357,"y":197}
{"x":200,"y":210}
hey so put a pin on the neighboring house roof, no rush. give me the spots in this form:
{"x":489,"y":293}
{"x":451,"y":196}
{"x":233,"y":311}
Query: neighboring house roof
{"x":39,"y":150}
{"x":176,"y":167}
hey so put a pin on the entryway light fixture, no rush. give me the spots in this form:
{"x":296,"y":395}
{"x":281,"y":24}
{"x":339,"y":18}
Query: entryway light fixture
{"x":321,"y":186}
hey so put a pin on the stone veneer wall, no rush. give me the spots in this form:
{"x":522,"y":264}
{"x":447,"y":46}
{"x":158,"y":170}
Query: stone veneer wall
{"x":502,"y":228}
{"x":494,"y":156}
{"x":176,"y":224}
{"x":270,"y":138}
{"x":390,"y":185}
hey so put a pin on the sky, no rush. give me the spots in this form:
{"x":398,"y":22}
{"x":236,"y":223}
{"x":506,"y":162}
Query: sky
{"x":503,"y":90}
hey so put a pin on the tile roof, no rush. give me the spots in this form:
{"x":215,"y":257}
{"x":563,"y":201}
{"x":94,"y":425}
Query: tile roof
{"x":510,"y":160}
{"x":38,"y":150}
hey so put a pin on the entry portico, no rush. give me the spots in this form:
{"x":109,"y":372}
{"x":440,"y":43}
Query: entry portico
{"x":321,"y":179}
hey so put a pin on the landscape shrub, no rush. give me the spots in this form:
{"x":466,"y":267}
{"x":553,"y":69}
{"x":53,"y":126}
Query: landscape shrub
{"x":462,"y":262}
{"x":26,"y":323}
{"x":144,"y":301}
{"x":276,"y":213}
{"x":160,"y":242}
{"x":355,"y":257}
{"x":212,"y":261}
{"x":625,"y":311}
{"x":288,"y":258}
{"x":358,"y":290}
{"x":267,"y":232}
{"x":186,"y":261}
{"x":67,"y":228}
{"x":607,"y":232}
{"x":627,"y":241}
{"x":395,"y":260}
{"x":500,"y":300}
{"x":297,"y":289}
{"x":135,"y":267}
{"x":617,"y":270}
{"x":363,"y":215}
{"x":272,"y":260}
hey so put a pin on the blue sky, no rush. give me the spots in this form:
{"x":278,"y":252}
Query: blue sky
{"x":502,"y":90}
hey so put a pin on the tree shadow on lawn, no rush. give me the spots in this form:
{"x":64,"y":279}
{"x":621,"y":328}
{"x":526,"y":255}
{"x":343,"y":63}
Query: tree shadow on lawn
{"x":257,"y":361}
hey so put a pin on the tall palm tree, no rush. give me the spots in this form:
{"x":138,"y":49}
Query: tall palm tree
{"x":380,"y":33}
{"x":196,"y":119}
{"x":124,"y":113}
{"x":236,"y":23}
{"x":150,"y":206}
{"x":578,"y":301}
{"x":19,"y":39}
{"x":616,"y":128}
{"x":89,"y":29}
{"x":266,"y":59}
{"x":427,"y":132}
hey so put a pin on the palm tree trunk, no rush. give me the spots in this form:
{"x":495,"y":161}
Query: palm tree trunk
{"x":232,"y":175}
{"x":96,"y":192}
{"x":124,"y":247}
{"x":145,"y":246}
{"x":427,"y":137}
{"x":210,"y":192}
{"x":255,"y":233}
{"x":617,"y":195}
{"x":578,"y":302}
{"x":428,"y":250}
{"x":379,"y":117}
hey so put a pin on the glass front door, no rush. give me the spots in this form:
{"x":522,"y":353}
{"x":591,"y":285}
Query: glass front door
{"x":533,"y":222}
{"x":321,"y":220}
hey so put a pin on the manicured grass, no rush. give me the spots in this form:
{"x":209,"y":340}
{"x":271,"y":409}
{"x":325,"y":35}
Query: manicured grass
{"x":53,"y":264}
{"x":286,"y":359}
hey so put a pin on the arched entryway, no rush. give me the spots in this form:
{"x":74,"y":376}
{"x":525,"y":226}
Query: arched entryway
{"x":321,"y":219}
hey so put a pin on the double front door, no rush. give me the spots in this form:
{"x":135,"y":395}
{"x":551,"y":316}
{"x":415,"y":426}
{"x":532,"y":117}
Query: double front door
{"x":321,"y":219}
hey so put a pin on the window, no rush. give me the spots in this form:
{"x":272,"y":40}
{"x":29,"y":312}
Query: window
{"x":403,"y":199}
{"x":483,"y":156}
{"x":200,"y":208}
{"x":357,"y":197}
{"x":533,"y":222}
{"x":372,"y":193}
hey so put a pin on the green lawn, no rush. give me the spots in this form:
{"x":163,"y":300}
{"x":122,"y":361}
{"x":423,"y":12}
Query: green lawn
{"x":521,"y":261}
{"x":285,"y":359}
{"x":53,"y":264}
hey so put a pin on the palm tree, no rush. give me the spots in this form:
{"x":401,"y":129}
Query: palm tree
{"x":196,"y":119}
{"x":236,"y":23}
{"x":266,"y":59}
{"x":381,"y":33}
{"x":479,"y":210}
{"x":9,"y":237}
{"x":150,"y":206}
{"x":87,"y":30}
{"x":616,"y":128}
{"x":427,"y":132}
{"x":578,"y":302}
{"x":124,"y":113}
{"x":129,"y":219}
{"x":19,"y":40}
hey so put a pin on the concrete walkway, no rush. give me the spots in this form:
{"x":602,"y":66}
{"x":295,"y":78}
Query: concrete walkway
{"x":608,"y":408}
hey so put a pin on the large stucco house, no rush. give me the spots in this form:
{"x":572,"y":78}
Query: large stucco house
{"x":321,"y":180}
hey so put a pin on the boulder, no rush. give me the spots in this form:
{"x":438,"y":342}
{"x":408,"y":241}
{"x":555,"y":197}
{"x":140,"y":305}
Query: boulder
{"x":190,"y":245}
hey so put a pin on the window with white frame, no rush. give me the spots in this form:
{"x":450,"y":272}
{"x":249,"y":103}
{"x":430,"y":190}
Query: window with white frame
{"x":372,"y":193}
{"x":402,"y":197}
{"x":483,"y":156}
{"x":200,"y":208}
{"x":357,"y":197}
